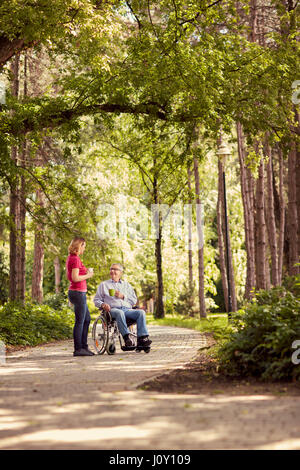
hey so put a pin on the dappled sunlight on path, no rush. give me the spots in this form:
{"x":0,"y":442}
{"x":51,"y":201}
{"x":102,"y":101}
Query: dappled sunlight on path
{"x":51,"y":400}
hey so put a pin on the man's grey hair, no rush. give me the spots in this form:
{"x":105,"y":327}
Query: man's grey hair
{"x":119,"y":266}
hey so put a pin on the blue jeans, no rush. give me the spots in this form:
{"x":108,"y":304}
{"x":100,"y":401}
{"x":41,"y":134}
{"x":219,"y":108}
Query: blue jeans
{"x":121,"y":313}
{"x":82,"y":319}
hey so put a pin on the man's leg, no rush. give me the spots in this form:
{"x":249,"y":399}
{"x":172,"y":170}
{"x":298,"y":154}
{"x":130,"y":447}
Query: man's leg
{"x":140,"y":317}
{"x":119,"y":316}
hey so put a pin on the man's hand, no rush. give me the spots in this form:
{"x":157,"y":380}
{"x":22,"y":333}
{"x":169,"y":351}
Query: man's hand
{"x":106,"y":307}
{"x":119,"y":295}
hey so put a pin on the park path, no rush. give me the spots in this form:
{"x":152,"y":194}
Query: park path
{"x":51,"y":400}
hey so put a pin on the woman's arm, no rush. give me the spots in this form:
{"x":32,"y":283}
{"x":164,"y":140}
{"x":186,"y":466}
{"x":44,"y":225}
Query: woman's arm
{"x":77,"y":278}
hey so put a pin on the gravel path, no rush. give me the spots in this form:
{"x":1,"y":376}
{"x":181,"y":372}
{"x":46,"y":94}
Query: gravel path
{"x":51,"y":400}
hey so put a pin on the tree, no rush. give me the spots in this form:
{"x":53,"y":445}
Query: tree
{"x":158,"y":151}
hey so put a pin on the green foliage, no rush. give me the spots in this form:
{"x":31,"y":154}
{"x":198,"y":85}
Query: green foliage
{"x":150,"y":57}
{"x":34,"y":324}
{"x":56,"y":301}
{"x":4,"y":280}
{"x":217,"y":325}
{"x":260,"y":342}
{"x":186,"y":303}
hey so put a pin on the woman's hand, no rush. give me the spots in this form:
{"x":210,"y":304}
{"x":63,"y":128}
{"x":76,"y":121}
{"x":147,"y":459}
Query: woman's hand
{"x":90,"y":273}
{"x":77,"y":278}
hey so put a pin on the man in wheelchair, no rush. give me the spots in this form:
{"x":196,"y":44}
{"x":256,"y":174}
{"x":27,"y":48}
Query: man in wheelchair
{"x":118,"y":297}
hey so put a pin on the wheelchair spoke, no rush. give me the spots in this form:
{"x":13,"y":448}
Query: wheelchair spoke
{"x":100,"y":334}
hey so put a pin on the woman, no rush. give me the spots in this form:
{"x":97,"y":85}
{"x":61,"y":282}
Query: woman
{"x":77,"y":274}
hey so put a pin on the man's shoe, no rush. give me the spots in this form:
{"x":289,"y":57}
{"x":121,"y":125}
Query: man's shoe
{"x":82,"y":352}
{"x":144,"y":341}
{"x":128,"y":341}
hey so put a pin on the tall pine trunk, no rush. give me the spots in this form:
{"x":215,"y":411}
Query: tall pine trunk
{"x":297,"y":175}
{"x":247,"y":199}
{"x":159,"y":311}
{"x":38,"y":257}
{"x":292,"y":213}
{"x":201,"y":292}
{"x":17,"y":205}
{"x":270,"y":217}
{"x":282,"y":212}
{"x":57,"y":272}
{"x":260,"y":230}
{"x":190,"y":240}
{"x":225,"y":243}
{"x":222,"y":259}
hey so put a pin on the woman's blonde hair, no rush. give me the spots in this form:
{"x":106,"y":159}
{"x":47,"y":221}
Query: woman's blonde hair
{"x":75,"y":245}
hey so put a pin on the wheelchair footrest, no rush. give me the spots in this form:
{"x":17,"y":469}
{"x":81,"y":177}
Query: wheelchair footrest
{"x":128,"y":348}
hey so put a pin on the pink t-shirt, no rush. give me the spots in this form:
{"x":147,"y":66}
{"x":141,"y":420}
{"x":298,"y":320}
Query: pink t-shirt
{"x":73,"y":262}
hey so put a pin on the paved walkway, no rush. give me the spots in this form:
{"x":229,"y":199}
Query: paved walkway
{"x":51,"y":400}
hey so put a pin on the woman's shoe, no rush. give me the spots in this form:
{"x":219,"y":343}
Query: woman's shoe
{"x":82,"y":352}
{"x":90,"y":352}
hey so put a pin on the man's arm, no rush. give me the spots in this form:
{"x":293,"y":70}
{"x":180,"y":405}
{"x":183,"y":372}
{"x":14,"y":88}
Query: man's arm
{"x":98,"y":299}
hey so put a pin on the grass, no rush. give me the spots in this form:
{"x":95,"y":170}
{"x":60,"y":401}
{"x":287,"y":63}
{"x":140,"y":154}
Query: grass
{"x":215,"y":324}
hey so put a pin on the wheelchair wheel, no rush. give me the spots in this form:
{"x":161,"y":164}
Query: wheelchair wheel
{"x":111,"y":349}
{"x":100,"y":335}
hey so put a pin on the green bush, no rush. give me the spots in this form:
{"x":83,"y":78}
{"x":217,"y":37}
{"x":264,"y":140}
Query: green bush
{"x":261,"y":337}
{"x":33,"y":324}
{"x":186,"y":302}
{"x":56,"y":301}
{"x":4,"y":279}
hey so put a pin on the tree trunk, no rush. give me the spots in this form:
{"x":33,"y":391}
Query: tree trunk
{"x":15,"y":224}
{"x":297,"y":174}
{"x":159,"y":305}
{"x":246,"y":186}
{"x":220,"y":237}
{"x":38,"y":263}
{"x":190,"y":241}
{"x":38,"y":271}
{"x":201,"y":291}
{"x":270,"y":217}
{"x":159,"y":311}
{"x":292,"y":213}
{"x":21,"y":244}
{"x":260,"y":231}
{"x":57,"y":272}
{"x":253,"y":21}
{"x":281,"y":218}
{"x":231,"y":294}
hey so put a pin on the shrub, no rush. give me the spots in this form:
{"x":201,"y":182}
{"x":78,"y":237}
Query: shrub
{"x":33,"y":324}
{"x":186,"y":303}
{"x":260,"y":341}
{"x":56,"y":301}
{"x":4,"y":279}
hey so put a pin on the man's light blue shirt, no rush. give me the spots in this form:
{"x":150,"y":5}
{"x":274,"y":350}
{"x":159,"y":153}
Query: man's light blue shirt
{"x":102,"y":294}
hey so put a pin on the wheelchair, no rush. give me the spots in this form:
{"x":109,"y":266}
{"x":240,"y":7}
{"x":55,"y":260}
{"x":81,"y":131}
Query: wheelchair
{"x":105,"y":334}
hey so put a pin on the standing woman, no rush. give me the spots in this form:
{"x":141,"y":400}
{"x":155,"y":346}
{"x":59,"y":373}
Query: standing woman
{"x":77,"y":274}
